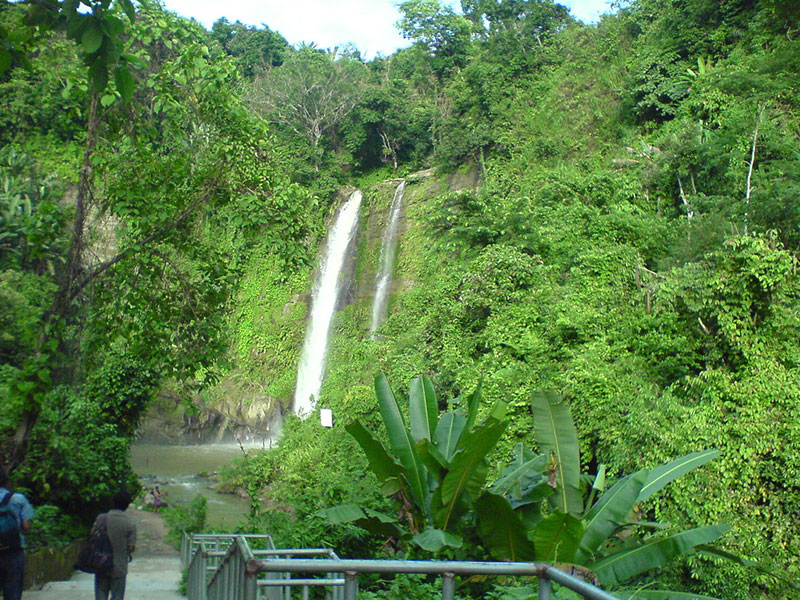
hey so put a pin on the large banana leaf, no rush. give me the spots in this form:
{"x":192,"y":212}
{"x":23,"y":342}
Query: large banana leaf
{"x":653,"y":553}
{"x":448,"y":433}
{"x":433,"y":459}
{"x":473,"y":403}
{"x":447,"y":517}
{"x":719,"y":553}
{"x":555,"y":433}
{"x":371,"y":520}
{"x":501,"y":530}
{"x":422,"y":408}
{"x":401,"y":442}
{"x":382,"y":464}
{"x":659,"y":595}
{"x":524,"y":469}
{"x":662,"y":475}
{"x":609,"y":512}
{"x":557,"y":536}
{"x":468,"y":468}
{"x":434,"y":540}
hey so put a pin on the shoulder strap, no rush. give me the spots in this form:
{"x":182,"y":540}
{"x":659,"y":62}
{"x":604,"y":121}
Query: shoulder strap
{"x":7,"y":499}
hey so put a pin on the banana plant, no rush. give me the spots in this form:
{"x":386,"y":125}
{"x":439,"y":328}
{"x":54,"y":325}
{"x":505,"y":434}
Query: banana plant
{"x":601,"y":535}
{"x":434,"y":469}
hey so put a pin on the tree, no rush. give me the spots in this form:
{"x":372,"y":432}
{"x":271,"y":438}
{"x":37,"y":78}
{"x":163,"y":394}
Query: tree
{"x":99,"y":34}
{"x":254,"y":50}
{"x":439,"y":29}
{"x":517,"y":23}
{"x":310,"y":94}
{"x":175,"y":163}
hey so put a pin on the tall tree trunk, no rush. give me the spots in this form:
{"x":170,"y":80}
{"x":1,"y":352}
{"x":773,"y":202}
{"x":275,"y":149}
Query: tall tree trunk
{"x":60,"y":313}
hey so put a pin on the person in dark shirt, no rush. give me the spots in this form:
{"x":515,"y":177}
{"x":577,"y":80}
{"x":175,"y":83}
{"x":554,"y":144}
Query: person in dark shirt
{"x":12,"y":562}
{"x":121,"y":531}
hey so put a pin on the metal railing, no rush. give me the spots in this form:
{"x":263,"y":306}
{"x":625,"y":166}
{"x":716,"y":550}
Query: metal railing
{"x":269,"y":574}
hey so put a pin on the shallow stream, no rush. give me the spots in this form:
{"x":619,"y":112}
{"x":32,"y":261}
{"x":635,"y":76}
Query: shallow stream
{"x":181,"y":472}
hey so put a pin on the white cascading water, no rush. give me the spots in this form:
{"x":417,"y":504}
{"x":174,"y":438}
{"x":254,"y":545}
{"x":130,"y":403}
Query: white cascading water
{"x":384,"y":277}
{"x":325,"y":296}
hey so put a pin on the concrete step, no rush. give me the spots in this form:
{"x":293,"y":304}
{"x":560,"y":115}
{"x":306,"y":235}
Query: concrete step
{"x":149,"y":578}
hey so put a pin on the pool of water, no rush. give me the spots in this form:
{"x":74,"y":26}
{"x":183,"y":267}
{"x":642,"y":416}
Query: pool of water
{"x":181,"y":473}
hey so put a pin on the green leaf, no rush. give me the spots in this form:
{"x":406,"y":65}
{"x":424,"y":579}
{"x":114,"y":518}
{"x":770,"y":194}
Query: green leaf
{"x":125,"y":83}
{"x":400,"y":441}
{"x":25,"y":386}
{"x":610,"y":511}
{"x":501,"y":530}
{"x":137,"y":61}
{"x":473,"y":404}
{"x":92,"y":38}
{"x":448,"y":433}
{"x":433,"y":459}
{"x":661,"y":476}
{"x":719,"y":553}
{"x":556,"y":537}
{"x":653,"y":553}
{"x":343,"y":513}
{"x":371,"y":520}
{"x":107,"y":100}
{"x":498,"y":412}
{"x":127,"y":7}
{"x":468,"y":468}
{"x":76,"y":25}
{"x":434,"y":540}
{"x":382,"y":464}
{"x":516,"y":471}
{"x":98,"y":75}
{"x":598,"y":485}
{"x":18,"y":35}
{"x":5,"y":60}
{"x":555,"y":433}
{"x":423,"y":411}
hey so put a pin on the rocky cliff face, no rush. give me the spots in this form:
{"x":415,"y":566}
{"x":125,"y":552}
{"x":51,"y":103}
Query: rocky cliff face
{"x":241,"y":407}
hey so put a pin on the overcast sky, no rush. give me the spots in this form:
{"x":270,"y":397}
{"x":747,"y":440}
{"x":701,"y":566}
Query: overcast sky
{"x":369,"y":24}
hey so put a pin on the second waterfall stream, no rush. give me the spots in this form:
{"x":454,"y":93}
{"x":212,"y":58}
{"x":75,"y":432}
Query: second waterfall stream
{"x":324,"y":299}
{"x":388,"y":245}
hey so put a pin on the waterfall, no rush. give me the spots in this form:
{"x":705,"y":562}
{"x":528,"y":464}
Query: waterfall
{"x":327,"y":287}
{"x":384,"y":277}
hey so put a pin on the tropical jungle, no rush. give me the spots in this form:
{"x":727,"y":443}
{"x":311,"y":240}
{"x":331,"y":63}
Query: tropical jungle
{"x":589,"y":348}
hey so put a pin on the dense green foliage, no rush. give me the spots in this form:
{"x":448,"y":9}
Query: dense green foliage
{"x":632,"y":243}
{"x":435,"y":470}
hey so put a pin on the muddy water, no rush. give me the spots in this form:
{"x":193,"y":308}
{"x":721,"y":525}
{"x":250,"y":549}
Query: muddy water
{"x":181,"y":473}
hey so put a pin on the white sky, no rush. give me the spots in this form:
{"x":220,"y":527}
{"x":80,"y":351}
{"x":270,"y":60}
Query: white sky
{"x":369,"y":24}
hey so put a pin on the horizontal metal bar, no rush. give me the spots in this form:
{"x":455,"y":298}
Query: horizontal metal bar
{"x":298,"y":582}
{"x":577,"y":585}
{"x":249,"y":536}
{"x":428,"y":567}
{"x":277,"y":565}
{"x":293,"y":552}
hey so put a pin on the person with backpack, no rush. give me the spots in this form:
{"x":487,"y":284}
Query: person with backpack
{"x":121,"y":530}
{"x":15,"y":517}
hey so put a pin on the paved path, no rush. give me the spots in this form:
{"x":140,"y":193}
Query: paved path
{"x":154,"y":573}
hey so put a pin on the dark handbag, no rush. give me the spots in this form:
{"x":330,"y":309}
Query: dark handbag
{"x":97,"y":556}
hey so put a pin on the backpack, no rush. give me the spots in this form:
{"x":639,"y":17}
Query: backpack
{"x":10,"y":540}
{"x":97,"y":556}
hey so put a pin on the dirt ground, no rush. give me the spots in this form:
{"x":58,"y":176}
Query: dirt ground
{"x":151,"y":532}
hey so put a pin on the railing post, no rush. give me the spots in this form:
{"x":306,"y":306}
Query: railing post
{"x":448,"y":586}
{"x":350,"y":585}
{"x":545,"y":588}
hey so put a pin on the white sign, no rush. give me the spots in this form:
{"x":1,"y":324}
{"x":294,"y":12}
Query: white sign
{"x":326,"y":417}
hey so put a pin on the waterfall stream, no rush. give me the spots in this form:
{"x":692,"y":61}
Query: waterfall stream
{"x":388,"y":245}
{"x":325,"y":296}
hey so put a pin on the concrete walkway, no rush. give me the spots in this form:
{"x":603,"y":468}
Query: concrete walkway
{"x":154,"y":573}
